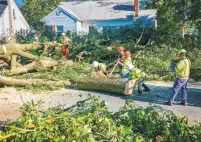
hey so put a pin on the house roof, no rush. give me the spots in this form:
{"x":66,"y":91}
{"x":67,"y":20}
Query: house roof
{"x":103,"y":10}
{"x":2,"y":8}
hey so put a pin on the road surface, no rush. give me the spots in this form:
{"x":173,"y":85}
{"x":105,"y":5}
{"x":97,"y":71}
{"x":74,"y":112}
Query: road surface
{"x":11,"y":99}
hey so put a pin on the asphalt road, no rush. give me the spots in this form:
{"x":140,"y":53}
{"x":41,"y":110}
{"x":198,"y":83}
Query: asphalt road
{"x":11,"y":100}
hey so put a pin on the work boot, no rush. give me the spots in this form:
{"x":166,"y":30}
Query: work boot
{"x":184,"y":103}
{"x":139,"y":94}
{"x":147,"y":90}
{"x":169,"y":103}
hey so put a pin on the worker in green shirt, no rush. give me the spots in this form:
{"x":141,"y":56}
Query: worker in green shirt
{"x":139,"y":76}
{"x":99,"y":67}
{"x":126,"y":60}
{"x":35,"y":43}
{"x":182,"y":70}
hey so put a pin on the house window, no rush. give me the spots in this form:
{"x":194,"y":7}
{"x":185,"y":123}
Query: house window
{"x":14,"y":16}
{"x":91,"y":28}
{"x":21,"y":31}
{"x":60,"y":29}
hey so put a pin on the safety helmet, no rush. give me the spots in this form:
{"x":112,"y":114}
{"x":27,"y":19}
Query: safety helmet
{"x":94,"y":64}
{"x":130,"y":67}
{"x":9,"y":38}
{"x":36,"y":38}
{"x":182,"y":51}
{"x":121,"y":48}
{"x":127,"y":54}
{"x":63,"y":34}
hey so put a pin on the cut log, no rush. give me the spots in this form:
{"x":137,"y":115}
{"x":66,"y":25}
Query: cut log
{"x":8,"y":50}
{"x":14,"y":62}
{"x":36,"y":65}
{"x":24,"y":82}
{"x":106,"y":85}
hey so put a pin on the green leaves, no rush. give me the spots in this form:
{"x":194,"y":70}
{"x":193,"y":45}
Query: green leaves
{"x":133,"y":124}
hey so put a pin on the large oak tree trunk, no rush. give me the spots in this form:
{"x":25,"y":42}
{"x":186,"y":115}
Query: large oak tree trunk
{"x":24,"y":82}
{"x":36,"y":65}
{"x":106,"y":85}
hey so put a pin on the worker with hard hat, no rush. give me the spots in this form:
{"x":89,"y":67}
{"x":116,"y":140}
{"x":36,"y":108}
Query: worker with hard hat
{"x":126,"y":60}
{"x":99,"y":70}
{"x":36,"y":43}
{"x":99,"y":67}
{"x":65,"y":48}
{"x":121,"y":51}
{"x":182,"y":71}
{"x":139,"y":76}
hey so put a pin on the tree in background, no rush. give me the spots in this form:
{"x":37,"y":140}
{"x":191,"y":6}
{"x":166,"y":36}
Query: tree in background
{"x":35,"y":10}
{"x":175,"y":15}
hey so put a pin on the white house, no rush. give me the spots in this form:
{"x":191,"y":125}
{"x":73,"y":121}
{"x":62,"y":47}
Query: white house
{"x":79,"y":16}
{"x":20,"y":24}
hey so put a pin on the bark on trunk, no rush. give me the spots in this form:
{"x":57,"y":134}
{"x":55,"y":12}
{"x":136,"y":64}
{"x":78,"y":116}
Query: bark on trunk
{"x":106,"y":85}
{"x":10,"y":49}
{"x":37,"y":65}
{"x":24,"y":82}
{"x":14,"y":62}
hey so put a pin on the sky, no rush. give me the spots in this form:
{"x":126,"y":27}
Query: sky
{"x":18,"y":2}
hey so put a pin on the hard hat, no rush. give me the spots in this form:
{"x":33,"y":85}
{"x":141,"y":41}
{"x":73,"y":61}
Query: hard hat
{"x":63,"y":34}
{"x":121,"y":48}
{"x":94,"y":64}
{"x":127,"y":54}
{"x":36,"y":38}
{"x":130,"y":67}
{"x":9,"y":38}
{"x":182,"y":51}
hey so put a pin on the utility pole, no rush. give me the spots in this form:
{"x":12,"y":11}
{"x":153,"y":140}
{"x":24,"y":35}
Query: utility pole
{"x":10,"y":17}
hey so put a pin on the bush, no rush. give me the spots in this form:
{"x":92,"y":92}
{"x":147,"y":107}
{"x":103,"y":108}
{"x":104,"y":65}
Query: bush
{"x":90,"y":121}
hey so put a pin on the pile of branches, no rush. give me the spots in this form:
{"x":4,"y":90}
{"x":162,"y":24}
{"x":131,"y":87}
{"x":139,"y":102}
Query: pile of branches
{"x":90,"y":121}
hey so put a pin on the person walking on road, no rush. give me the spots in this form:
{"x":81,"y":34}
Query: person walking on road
{"x":182,"y":70}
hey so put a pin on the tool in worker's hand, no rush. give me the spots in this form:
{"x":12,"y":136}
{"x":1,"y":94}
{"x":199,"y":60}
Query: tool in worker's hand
{"x":113,"y":69}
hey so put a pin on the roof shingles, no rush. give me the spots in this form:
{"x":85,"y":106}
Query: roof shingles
{"x":104,"y":10}
{"x":2,"y":8}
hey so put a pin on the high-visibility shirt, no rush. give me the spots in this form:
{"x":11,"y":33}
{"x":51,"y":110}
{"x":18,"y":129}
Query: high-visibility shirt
{"x":101,"y":67}
{"x":35,"y":51}
{"x":183,"y":68}
{"x":64,"y":41}
{"x":136,"y":74}
{"x":126,"y":62}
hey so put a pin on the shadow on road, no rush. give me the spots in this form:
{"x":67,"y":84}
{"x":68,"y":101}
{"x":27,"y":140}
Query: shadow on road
{"x":160,"y":95}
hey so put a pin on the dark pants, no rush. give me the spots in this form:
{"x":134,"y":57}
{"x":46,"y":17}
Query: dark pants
{"x":179,"y":84}
{"x":141,"y":85}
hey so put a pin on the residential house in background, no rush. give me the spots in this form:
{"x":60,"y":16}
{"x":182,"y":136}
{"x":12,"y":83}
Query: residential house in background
{"x":20,"y":24}
{"x":81,"y":16}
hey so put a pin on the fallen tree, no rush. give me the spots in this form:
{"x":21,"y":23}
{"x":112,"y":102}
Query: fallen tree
{"x":106,"y":85}
{"x":34,"y":66}
{"x":24,"y":82}
{"x":10,"y":51}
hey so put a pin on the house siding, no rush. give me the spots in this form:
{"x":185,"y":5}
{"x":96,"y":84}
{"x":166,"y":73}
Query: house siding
{"x":61,"y":20}
{"x":19,"y":22}
{"x":112,"y":23}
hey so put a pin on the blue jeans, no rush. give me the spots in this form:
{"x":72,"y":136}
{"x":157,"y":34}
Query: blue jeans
{"x":125,"y":75}
{"x":179,"y":84}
